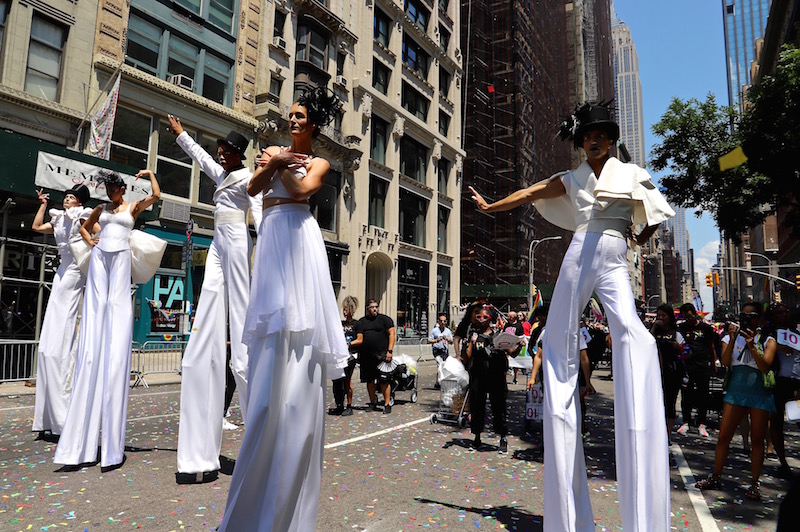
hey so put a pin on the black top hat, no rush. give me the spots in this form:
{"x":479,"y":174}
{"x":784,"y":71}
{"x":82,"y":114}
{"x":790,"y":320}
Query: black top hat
{"x":587,"y":116}
{"x":236,"y":141}
{"x":81,"y":192}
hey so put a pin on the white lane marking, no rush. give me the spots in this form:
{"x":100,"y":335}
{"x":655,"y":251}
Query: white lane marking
{"x":707,"y":522}
{"x":378,"y":433}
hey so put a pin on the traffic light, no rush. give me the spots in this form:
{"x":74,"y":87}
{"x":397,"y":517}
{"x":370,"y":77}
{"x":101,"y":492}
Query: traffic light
{"x":716,"y":278}
{"x":797,"y":281}
{"x":709,"y":280}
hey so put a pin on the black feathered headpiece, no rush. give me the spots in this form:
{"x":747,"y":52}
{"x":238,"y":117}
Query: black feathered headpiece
{"x":322,"y":105}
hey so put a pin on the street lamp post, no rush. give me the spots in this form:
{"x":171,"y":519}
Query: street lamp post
{"x":769,"y":264}
{"x":531,"y":255}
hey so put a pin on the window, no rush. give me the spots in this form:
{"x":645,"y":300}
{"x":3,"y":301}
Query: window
{"x":444,"y":38}
{"x":441,"y":231}
{"x":173,"y":166}
{"x":418,"y":14}
{"x":3,"y":15}
{"x":275,"y":85}
{"x":443,"y":172}
{"x":415,"y":103}
{"x":443,"y":5}
{"x":412,"y":294}
{"x":412,"y":218}
{"x":326,"y":201}
{"x":182,"y":58}
{"x":207,"y":185}
{"x":190,"y":5}
{"x":443,"y":288}
{"x":44,"y":58}
{"x":312,"y":47}
{"x":215,"y":78}
{"x":380,"y":76}
{"x":220,"y":13}
{"x":413,"y":159}
{"x":280,"y":22}
{"x":144,"y":40}
{"x":130,"y":140}
{"x":444,"y":123}
{"x":340,"y":57}
{"x":377,"y":201}
{"x":377,"y":150}
{"x":444,"y":82}
{"x":415,"y":57}
{"x":382,"y":27}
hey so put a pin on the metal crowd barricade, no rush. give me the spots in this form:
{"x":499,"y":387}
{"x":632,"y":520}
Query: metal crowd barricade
{"x":17,"y":360}
{"x":157,"y":357}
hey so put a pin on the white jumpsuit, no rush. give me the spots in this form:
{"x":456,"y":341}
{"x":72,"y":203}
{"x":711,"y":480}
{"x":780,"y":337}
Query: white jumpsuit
{"x":600,"y":210}
{"x":103,"y":364}
{"x":55,"y":358}
{"x":223,"y":298}
{"x":296,"y":342}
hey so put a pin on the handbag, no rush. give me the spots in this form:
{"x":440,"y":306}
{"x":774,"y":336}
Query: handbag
{"x":769,"y":379}
{"x":81,"y":252}
{"x":792,"y":409}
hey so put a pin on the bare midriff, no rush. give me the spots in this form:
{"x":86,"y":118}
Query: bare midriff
{"x":271,"y":202}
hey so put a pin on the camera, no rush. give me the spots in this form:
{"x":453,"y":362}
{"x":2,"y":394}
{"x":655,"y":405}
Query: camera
{"x":748,"y":320}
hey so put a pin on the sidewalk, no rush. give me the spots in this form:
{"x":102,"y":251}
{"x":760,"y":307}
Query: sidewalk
{"x":15,"y":388}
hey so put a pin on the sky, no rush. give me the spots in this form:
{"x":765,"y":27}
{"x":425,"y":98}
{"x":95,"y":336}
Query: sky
{"x":681,"y":48}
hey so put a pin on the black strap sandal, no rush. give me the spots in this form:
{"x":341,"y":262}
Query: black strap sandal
{"x":713,"y":482}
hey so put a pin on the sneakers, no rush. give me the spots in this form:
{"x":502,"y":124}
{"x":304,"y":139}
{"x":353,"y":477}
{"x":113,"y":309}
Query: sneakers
{"x":702,"y":430}
{"x":476,"y":443}
{"x":503,"y":447}
{"x":387,"y":409}
{"x":348,"y":411}
{"x":227,"y":425}
{"x":683,"y":429}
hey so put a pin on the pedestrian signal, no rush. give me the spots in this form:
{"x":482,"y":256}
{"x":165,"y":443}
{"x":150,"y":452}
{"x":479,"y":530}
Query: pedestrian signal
{"x":709,"y":281}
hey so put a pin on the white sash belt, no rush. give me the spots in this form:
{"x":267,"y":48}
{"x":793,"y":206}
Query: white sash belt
{"x":228,"y":217}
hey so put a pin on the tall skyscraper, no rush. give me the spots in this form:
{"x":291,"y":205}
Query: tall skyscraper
{"x":745,"y":22}
{"x":628,"y":91}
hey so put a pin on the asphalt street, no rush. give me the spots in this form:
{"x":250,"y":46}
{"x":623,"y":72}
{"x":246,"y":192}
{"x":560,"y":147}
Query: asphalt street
{"x":381,"y":472}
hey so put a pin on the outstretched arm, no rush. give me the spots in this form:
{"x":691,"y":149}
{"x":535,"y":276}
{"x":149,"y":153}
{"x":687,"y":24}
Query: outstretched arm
{"x":38,"y":221}
{"x":142,"y":205}
{"x":551,"y":188}
{"x":207,"y":163}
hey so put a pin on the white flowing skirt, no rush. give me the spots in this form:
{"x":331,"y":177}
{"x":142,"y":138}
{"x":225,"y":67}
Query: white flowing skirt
{"x":291,"y":288}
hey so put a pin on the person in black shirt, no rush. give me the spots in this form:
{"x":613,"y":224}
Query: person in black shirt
{"x":701,"y":362}
{"x":463,"y":327}
{"x":375,"y":340}
{"x":669,"y":342}
{"x":487,"y":374}
{"x":344,"y":386}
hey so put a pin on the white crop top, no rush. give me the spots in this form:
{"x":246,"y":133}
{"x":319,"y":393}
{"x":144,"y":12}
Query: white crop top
{"x":276,"y":189}
{"x":115,"y":230}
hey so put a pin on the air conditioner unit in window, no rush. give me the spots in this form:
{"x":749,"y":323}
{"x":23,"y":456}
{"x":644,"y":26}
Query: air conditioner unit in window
{"x":182,"y":81}
{"x":341,"y":80}
{"x":279,"y":42}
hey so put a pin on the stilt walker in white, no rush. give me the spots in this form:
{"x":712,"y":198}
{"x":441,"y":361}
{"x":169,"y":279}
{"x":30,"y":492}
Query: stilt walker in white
{"x":600,"y":201}
{"x":103,"y":364}
{"x":55,"y":356}
{"x":294,"y":335}
{"x":223,"y":298}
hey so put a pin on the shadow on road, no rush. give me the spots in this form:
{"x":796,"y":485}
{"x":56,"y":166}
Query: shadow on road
{"x":512,"y":518}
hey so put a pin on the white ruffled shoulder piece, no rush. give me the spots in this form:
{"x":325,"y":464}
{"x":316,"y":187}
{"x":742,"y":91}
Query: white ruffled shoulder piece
{"x":560,"y":211}
{"x":620,"y":180}
{"x":55,"y":213}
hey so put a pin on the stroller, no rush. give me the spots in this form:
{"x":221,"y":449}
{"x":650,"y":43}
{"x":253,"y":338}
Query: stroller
{"x":454,"y":397}
{"x":403,"y":378}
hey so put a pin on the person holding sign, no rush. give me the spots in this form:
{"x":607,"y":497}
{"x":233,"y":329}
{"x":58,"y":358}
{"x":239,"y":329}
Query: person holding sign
{"x":748,"y":353}
{"x":55,"y":358}
{"x":103,"y":364}
{"x":600,"y":201}
{"x":787,"y":379}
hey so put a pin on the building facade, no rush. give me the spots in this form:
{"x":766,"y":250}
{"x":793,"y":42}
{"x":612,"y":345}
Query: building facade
{"x":744,"y":22}
{"x":389,"y":210}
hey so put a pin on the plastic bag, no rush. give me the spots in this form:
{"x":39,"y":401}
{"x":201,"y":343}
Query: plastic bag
{"x":454,"y":370}
{"x":409,"y":361}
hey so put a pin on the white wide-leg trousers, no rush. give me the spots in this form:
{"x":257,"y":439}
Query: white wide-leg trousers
{"x":223,"y":298}
{"x":597,"y":262}
{"x":103,"y":365}
{"x":276,"y":481}
{"x":55,"y":358}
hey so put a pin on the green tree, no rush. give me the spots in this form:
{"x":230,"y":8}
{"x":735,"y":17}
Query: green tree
{"x":769,"y":130}
{"x":694,"y":135}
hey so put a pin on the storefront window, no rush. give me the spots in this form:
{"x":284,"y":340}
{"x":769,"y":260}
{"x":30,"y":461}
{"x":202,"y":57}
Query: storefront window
{"x":412,"y":294}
